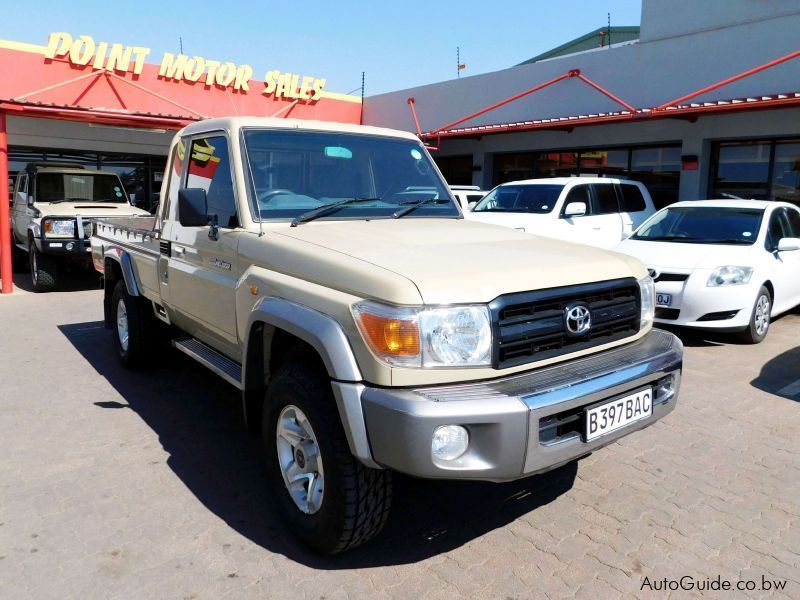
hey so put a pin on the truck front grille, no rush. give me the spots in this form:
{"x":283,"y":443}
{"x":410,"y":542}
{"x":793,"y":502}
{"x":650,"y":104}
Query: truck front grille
{"x":531,"y":326}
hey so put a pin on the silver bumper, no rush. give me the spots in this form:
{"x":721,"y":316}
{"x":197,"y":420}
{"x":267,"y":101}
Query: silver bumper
{"x":503,"y":416}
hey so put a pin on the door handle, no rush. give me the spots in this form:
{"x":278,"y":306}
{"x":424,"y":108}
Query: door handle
{"x":179,"y":250}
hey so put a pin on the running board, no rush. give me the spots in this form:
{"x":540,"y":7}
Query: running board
{"x":223,"y":366}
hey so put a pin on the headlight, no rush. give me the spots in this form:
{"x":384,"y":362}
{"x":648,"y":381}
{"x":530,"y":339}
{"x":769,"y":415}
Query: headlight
{"x":729,"y":275}
{"x":457,"y":336}
{"x":59,"y":228}
{"x":647,"y":291}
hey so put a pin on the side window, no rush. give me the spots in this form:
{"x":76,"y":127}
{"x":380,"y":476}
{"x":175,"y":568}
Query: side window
{"x":173,"y":182}
{"x":794,"y":222}
{"x":22,"y":190}
{"x":210,"y":169}
{"x":605,"y":199}
{"x":778,"y":229}
{"x":580,"y":193}
{"x":632,"y":199}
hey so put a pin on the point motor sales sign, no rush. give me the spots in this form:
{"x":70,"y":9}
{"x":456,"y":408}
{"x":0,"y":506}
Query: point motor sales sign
{"x":83,"y":50}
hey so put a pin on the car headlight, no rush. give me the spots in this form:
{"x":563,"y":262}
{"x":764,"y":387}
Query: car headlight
{"x":59,"y":228}
{"x":647,"y":292}
{"x":729,"y":275}
{"x":454,"y":336}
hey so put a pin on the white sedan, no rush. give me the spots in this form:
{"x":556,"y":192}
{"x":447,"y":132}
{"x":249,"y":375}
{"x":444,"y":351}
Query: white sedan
{"x":726,"y":265}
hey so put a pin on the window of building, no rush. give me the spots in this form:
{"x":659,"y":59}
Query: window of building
{"x":760,"y":169}
{"x":658,"y":167}
{"x":210,"y":169}
{"x":457,"y":170}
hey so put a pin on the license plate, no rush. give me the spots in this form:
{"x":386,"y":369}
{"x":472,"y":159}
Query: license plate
{"x":663,"y":299}
{"x":616,"y":414}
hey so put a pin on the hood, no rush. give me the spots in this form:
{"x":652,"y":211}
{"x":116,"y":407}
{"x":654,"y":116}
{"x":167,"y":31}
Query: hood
{"x":458,"y":261}
{"x":686,"y":257}
{"x":88,"y":209}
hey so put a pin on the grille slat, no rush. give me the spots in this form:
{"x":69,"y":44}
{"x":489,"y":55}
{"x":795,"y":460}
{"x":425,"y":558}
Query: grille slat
{"x":530,"y":326}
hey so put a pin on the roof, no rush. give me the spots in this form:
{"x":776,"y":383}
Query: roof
{"x":565,"y":180}
{"x":234,"y":123}
{"x":731,"y":203}
{"x":593,"y":39}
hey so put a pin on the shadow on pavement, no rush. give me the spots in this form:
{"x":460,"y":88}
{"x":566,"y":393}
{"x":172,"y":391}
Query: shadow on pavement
{"x":197,"y":418}
{"x":781,"y":376}
{"x":69,"y":280}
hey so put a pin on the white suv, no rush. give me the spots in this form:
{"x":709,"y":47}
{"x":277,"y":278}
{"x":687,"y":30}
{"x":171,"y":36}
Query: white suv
{"x":599,"y":211}
{"x":467,"y":195}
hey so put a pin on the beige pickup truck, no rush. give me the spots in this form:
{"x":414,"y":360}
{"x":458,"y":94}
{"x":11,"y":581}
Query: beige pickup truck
{"x":326,"y":272}
{"x":52,"y":209}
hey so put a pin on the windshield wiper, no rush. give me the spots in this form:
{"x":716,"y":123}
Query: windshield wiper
{"x":412,"y":206}
{"x":325,"y":209}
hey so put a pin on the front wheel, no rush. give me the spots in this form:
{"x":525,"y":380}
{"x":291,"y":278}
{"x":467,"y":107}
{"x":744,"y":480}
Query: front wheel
{"x":328,"y":500}
{"x":758,"y":327}
{"x":43,"y":270}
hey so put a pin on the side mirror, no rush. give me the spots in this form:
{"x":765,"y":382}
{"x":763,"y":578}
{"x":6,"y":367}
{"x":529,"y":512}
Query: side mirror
{"x":575,"y":209}
{"x":789,"y":244}
{"x":192,"y":207}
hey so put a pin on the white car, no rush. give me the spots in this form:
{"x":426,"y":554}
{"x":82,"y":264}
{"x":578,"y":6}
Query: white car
{"x":467,"y":195}
{"x":726,"y":265}
{"x":599,"y":211}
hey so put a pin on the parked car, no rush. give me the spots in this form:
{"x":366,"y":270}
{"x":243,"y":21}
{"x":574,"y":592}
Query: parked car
{"x":467,"y":195}
{"x":599,"y":211}
{"x":726,"y":265}
{"x":369,"y":327}
{"x":52,"y":211}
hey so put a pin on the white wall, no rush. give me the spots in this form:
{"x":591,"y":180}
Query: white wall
{"x":51,"y":133}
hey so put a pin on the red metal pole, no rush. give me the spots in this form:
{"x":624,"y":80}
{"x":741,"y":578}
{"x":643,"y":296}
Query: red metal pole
{"x":5,"y":221}
{"x":574,"y":73}
{"x":414,"y":114}
{"x":605,"y":92}
{"x":724,"y":82}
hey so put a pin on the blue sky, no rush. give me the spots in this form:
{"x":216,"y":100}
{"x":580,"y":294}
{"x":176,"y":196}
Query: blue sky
{"x":398,"y":44}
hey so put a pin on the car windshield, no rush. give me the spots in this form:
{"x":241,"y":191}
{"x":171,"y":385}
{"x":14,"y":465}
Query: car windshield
{"x":520,"y":198}
{"x":702,"y":225}
{"x":295,"y":172}
{"x":90,"y":187}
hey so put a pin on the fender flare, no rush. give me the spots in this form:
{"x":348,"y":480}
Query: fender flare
{"x":126,"y":266}
{"x":326,"y":336}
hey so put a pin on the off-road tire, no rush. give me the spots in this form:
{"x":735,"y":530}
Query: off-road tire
{"x":357,"y":499}
{"x":142,"y":334}
{"x":19,"y":259}
{"x":43,"y":270}
{"x":751,"y":335}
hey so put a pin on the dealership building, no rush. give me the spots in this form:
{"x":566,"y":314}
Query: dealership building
{"x":703,"y":99}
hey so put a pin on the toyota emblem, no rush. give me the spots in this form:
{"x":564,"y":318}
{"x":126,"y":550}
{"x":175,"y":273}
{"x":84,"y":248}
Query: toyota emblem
{"x":577,"y":318}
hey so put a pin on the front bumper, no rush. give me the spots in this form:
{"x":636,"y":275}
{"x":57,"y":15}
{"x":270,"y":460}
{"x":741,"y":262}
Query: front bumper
{"x":503,"y":415}
{"x":74,"y":248}
{"x":694,"y":304}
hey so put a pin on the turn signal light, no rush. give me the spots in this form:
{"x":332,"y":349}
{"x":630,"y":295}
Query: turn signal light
{"x":390,"y":336}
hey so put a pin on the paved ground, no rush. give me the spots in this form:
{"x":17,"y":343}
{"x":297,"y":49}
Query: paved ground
{"x":116,"y":485}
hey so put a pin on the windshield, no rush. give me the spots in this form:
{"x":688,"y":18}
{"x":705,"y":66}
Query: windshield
{"x":295,"y":172}
{"x":702,"y":225}
{"x":520,"y":198}
{"x":91,"y":187}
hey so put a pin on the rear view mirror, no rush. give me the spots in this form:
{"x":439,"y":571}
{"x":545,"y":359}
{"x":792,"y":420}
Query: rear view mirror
{"x":575,"y":209}
{"x":788,"y":244}
{"x":192,"y":207}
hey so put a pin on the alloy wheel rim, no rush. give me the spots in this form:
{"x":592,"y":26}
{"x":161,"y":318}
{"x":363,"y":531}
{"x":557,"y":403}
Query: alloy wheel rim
{"x":122,"y":325}
{"x":300,"y":460}
{"x":762,"y":315}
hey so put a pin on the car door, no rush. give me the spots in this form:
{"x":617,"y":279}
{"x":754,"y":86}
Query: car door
{"x":203,"y":269}
{"x":632,"y":207}
{"x":785,"y":265}
{"x":577,"y":228}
